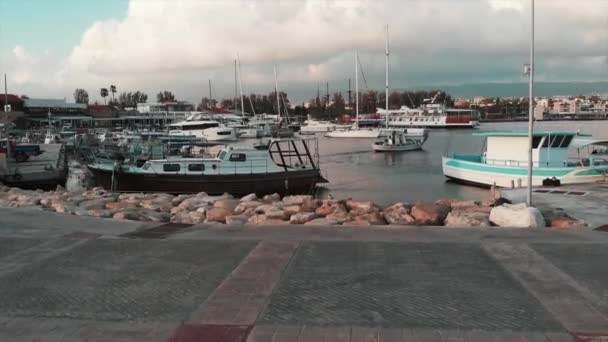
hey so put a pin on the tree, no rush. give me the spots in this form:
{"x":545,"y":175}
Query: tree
{"x":165,"y":96}
{"x":113,"y":91}
{"x":207,"y":104}
{"x":81,"y":96}
{"x":130,"y":100}
{"x":227,"y":104}
{"x":104,"y":93}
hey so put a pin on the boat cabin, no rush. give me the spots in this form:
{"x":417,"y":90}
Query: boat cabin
{"x":549,"y":149}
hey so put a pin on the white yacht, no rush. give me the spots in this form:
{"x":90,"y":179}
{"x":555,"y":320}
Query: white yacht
{"x":200,"y":126}
{"x":313,"y":126}
{"x":432,"y":115}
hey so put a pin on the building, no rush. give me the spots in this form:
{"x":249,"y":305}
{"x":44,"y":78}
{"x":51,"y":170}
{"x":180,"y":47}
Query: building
{"x":100,"y":111}
{"x":11,"y":102}
{"x":41,"y":107}
{"x":567,"y":106}
{"x":165,"y":107}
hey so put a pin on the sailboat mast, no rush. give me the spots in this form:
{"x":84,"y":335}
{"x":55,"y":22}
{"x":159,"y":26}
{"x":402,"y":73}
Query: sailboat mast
{"x":276,"y":90}
{"x":235,"y":83}
{"x":238,"y":61}
{"x":356,"y":89}
{"x":531,"y":109}
{"x":386,"y":90}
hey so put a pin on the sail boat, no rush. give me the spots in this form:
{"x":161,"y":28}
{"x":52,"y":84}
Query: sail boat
{"x":359,"y":132}
{"x":282,"y":130}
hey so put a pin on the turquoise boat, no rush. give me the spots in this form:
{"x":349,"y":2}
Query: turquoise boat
{"x":568,"y":157}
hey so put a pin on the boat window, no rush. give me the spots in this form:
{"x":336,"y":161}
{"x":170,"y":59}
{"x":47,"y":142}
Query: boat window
{"x":536,"y":141}
{"x":238,"y":157}
{"x":170,"y":167}
{"x":221,"y":155}
{"x":224,"y":133}
{"x":196,"y":167}
{"x":566,"y":141}
{"x":556,"y":142}
{"x":146,"y":166}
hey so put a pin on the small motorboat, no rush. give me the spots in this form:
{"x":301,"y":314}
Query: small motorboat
{"x":397,"y":141}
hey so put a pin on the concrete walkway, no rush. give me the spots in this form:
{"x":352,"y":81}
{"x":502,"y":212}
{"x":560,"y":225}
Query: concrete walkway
{"x":67,"y":278}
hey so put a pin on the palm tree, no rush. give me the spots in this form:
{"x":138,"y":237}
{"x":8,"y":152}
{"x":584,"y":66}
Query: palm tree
{"x":104,"y":93}
{"x":113,"y":91}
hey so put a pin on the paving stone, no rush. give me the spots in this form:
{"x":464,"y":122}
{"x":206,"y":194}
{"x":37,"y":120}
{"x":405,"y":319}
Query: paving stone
{"x":9,"y":246}
{"x":121,"y":280}
{"x":402,"y":285}
{"x":583,"y":263}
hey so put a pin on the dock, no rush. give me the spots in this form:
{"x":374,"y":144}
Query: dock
{"x":585,"y":202}
{"x":44,"y":171}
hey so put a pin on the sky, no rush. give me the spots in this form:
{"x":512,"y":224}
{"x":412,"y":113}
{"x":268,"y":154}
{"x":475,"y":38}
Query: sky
{"x":49,"y":48}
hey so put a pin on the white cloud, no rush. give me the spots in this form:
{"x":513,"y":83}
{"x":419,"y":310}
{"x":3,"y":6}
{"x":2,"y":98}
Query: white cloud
{"x":178,"y":44}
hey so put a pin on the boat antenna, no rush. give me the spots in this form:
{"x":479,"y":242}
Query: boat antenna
{"x":285,"y":106}
{"x":238,"y":64}
{"x":531,"y":108}
{"x":356,"y":89}
{"x":386,"y":87}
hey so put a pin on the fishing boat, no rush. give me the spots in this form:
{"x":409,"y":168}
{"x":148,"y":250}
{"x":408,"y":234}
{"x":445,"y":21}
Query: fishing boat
{"x":397,"y":141}
{"x":559,"y":156}
{"x":284,"y":166}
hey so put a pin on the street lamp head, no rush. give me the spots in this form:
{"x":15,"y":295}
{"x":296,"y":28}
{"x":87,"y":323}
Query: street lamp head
{"x":527,"y":69}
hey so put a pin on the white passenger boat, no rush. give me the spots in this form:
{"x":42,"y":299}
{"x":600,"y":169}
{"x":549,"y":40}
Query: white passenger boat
{"x":312,"y":126}
{"x":432,"y":116}
{"x":567,"y":157}
{"x":200,"y":126}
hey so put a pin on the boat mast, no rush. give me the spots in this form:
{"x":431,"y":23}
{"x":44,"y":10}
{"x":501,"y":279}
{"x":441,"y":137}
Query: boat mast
{"x":235,"y":83}
{"x":531,"y":109}
{"x":276,"y":90}
{"x":357,"y":89}
{"x":238,"y":61}
{"x":386,"y":95}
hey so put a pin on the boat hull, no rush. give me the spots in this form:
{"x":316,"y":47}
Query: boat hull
{"x":284,"y":183}
{"x":503,"y":176}
{"x":396,"y":148}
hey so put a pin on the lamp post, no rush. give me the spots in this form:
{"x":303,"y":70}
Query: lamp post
{"x":529,"y":69}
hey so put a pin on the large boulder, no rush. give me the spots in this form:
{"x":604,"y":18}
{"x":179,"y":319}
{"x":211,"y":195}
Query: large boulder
{"x":296,"y":200}
{"x":373,"y":218}
{"x":244,"y":206}
{"x":193,"y":203}
{"x":127,"y":215}
{"x":328,"y":207}
{"x":153,"y":215}
{"x":177,"y":200}
{"x":566,"y":223}
{"x":468,"y":217}
{"x":322,"y":221}
{"x":229,"y":204}
{"x":264,"y":208}
{"x":218,"y":214}
{"x":248,"y":198}
{"x":292,"y":209}
{"x":301,"y":218}
{"x":277,"y":214}
{"x":398,"y":214}
{"x":339,"y":215}
{"x":430,"y":214}
{"x":271,"y":198}
{"x":122,"y":205}
{"x":236,"y":220}
{"x":97,"y":203}
{"x":517,"y":216}
{"x":160,"y":205}
{"x":310,"y":205}
{"x":103,"y":213}
{"x":360,"y":207}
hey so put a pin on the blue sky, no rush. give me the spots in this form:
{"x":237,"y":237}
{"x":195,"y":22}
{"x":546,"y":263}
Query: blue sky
{"x":50,"y":47}
{"x":56,"y":25}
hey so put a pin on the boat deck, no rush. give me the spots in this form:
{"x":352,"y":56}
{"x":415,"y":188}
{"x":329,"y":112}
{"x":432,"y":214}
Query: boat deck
{"x":37,"y":169}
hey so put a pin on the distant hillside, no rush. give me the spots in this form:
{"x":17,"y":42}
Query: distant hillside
{"x":521,"y":89}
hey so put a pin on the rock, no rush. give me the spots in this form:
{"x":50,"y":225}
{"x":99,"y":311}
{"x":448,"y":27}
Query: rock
{"x":120,"y":205}
{"x":63,"y":207}
{"x":264,"y":208}
{"x":358,"y":222}
{"x":256,"y":219}
{"x":277,"y":214}
{"x":236,"y":220}
{"x":59,"y":188}
{"x":339,"y":215}
{"x":157,"y":205}
{"x":310,"y":205}
{"x":153,"y":215}
{"x":292,"y":209}
{"x":494,"y":202}
{"x":517,"y":216}
{"x":126,"y":215}
{"x":249,"y":198}
{"x":357,"y":207}
{"x":184,"y":217}
{"x":467,"y":218}
{"x":229,"y":204}
{"x":245,"y":205}
{"x":97,"y":203}
{"x":193,"y":203}
{"x":328,"y":207}
{"x":430,"y":214}
{"x":301,"y":218}
{"x":218,"y":214}
{"x":566,"y":223}
{"x":177,"y":200}
{"x":398,"y":214}
{"x":296,"y":200}
{"x":321,"y":222}
{"x":374,"y":218}
{"x":271,"y":198}
{"x":104,"y":213}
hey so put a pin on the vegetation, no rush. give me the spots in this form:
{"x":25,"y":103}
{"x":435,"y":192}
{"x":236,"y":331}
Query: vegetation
{"x":81,"y":96}
{"x":130,"y":100}
{"x":103,"y":92}
{"x":165,"y":96}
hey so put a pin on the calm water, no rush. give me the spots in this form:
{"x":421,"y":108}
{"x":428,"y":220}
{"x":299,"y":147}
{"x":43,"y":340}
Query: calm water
{"x":354,"y":170}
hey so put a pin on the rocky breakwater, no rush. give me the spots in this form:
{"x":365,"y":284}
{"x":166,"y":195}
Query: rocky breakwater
{"x":274,"y":210}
